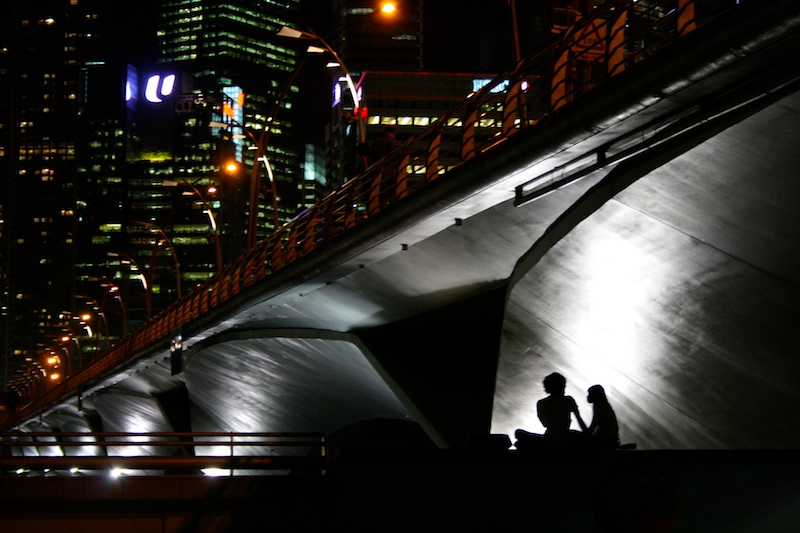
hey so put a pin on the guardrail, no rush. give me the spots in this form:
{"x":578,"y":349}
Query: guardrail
{"x":603,"y":44}
{"x":120,"y":453}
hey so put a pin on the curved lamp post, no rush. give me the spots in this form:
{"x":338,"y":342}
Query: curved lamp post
{"x":145,"y":285}
{"x":292,"y":33}
{"x":102,"y":325}
{"x":255,"y":178}
{"x":112,"y":289}
{"x":166,"y":240}
{"x":207,"y":209}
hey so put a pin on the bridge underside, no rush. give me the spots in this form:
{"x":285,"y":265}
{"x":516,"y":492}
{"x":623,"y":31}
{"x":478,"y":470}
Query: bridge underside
{"x":679,"y":295}
{"x":669,"y":278}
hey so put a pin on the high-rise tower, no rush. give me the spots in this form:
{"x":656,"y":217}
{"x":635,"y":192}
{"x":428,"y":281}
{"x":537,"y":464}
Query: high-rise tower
{"x":53,"y":55}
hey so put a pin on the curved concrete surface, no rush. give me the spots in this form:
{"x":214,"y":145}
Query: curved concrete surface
{"x":679,"y":295}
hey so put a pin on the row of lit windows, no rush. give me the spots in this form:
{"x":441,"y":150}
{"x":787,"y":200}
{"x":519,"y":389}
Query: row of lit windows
{"x":68,"y":240}
{"x":454,"y":122}
{"x":61,"y":149}
{"x":150,"y":242}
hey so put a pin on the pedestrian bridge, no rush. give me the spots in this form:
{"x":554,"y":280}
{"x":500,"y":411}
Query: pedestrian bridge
{"x":625,"y":213}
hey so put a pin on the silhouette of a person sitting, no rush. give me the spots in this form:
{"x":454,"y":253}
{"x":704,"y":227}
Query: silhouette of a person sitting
{"x":555,"y":412}
{"x":603,"y":432}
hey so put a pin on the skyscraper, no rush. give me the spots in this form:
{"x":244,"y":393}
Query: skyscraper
{"x":51,"y":54}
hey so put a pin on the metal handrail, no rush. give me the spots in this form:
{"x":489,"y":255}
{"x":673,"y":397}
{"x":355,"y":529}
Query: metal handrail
{"x":601,"y":45}
{"x":238,"y":453}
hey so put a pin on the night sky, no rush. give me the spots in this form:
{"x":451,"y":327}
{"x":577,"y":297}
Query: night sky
{"x":451,"y":28}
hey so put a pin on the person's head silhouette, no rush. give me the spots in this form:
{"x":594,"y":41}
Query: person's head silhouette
{"x":555,"y":384}
{"x":597,"y":394}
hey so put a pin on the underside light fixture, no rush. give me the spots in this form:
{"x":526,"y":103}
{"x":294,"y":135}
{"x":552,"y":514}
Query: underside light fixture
{"x":73,"y":470}
{"x":216,"y":472}
{"x":291,"y":33}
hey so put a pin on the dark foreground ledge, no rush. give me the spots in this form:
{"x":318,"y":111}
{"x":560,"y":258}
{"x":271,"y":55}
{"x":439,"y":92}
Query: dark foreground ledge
{"x":653,"y":490}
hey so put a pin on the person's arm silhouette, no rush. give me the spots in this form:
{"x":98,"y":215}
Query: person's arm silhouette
{"x":581,"y":423}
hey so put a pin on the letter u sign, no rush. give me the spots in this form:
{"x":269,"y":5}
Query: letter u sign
{"x":158,"y":87}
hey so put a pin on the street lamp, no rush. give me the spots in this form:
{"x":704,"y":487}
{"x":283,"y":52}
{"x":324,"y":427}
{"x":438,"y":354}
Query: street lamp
{"x":86,"y":317}
{"x":69,"y":338}
{"x":207,"y":209}
{"x":153,"y":256}
{"x":292,"y":33}
{"x":125,"y":258}
{"x":112,"y":289}
{"x":260,"y":146}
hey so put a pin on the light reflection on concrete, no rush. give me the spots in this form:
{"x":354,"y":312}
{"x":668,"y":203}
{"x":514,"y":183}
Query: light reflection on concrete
{"x":669,"y":298}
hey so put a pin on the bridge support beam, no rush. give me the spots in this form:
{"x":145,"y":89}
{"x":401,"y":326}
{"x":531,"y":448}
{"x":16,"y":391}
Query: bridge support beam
{"x":444,"y":362}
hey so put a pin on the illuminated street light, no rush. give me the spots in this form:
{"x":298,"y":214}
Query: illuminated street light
{"x":111,"y":289}
{"x":127,"y":259}
{"x":86,"y":319}
{"x":293,"y":33}
{"x":207,"y":209}
{"x":260,"y":146}
{"x":164,"y":240}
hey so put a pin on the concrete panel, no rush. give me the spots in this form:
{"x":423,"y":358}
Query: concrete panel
{"x":286,"y":384}
{"x":679,"y":296}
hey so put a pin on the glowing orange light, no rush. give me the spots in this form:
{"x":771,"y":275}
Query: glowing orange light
{"x":388,"y":8}
{"x":231,"y":167}
{"x":54,"y":376}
